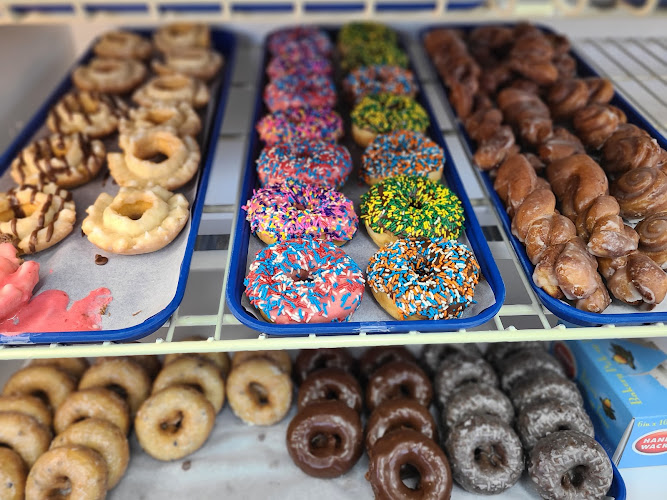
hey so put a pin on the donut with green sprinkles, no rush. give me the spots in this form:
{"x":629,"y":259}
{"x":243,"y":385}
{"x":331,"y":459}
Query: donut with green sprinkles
{"x":358,"y":34}
{"x":424,"y":279}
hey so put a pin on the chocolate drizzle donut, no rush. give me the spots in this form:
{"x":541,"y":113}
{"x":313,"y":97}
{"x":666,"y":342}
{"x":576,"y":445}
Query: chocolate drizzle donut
{"x":91,"y":113}
{"x":331,"y":384}
{"x":398,"y":379}
{"x":395,"y":414}
{"x":309,"y":360}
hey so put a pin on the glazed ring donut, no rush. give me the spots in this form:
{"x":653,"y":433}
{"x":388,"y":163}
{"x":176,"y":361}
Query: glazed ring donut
{"x":91,"y":113}
{"x":180,"y":117}
{"x":78,"y":469}
{"x":49,"y":383}
{"x":28,"y":405}
{"x":330,"y":384}
{"x":485,"y":454}
{"x":219,"y":359}
{"x":198,"y":373}
{"x":23,"y":434}
{"x":395,"y":414}
{"x":433,"y":355}
{"x":461,"y":370}
{"x":545,"y":386}
{"x":174,"y":422}
{"x":177,"y":36}
{"x":104,"y":438}
{"x":110,"y":76}
{"x":13,"y":474}
{"x":398,"y":379}
{"x":67,"y":160}
{"x":407,"y":447}
{"x":259,"y":392}
{"x":197,"y":62}
{"x":379,"y":79}
{"x":309,"y":360}
{"x":498,"y":351}
{"x":541,"y":418}
{"x":300,"y":91}
{"x":123,"y":376}
{"x":135,"y":221}
{"x":325,"y":439}
{"x":92,"y":403}
{"x":74,"y":366}
{"x":477,"y":399}
{"x":377,"y":356}
{"x":172,"y":89}
{"x":279,"y":358}
{"x":122,"y":45}
{"x":527,"y":363}
{"x":151,"y":364}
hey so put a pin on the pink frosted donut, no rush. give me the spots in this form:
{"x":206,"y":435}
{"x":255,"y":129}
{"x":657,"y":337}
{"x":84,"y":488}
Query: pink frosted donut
{"x":304,"y":281}
{"x":300,"y":91}
{"x":300,"y":124}
{"x":308,"y":38}
{"x":279,"y":67}
{"x":319,"y":163}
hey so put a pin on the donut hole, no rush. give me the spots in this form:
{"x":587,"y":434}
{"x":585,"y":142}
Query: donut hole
{"x":490,"y":456}
{"x":61,"y":490}
{"x":134,"y":210}
{"x":574,"y":478}
{"x":259,"y":393}
{"x":172,"y":423}
{"x":322,"y":444}
{"x":410,"y":476}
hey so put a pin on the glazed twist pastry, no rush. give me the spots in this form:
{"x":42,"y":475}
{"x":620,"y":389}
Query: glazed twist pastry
{"x":565,"y":65}
{"x":560,"y":144}
{"x":483,"y":123}
{"x":629,"y":148}
{"x":566,"y":97}
{"x":641,"y":192}
{"x":493,"y":150}
{"x":595,"y":123}
{"x":604,"y":229}
{"x":652,"y":233}
{"x":527,"y":113}
{"x":601,"y":90}
{"x":91,"y":113}
{"x":639,"y":282}
{"x":531,"y":57}
{"x":554,"y":229}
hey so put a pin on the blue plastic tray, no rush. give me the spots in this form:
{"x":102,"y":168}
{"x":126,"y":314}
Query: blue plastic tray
{"x":225,"y":43}
{"x":242,"y":235}
{"x":559,"y":308}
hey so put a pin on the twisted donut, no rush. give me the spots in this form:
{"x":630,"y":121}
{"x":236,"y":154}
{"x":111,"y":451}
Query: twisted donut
{"x":527,"y":113}
{"x":531,"y":56}
{"x":622,"y":153}
{"x":595,"y":123}
{"x":652,"y":233}
{"x":639,"y":282}
{"x":601,"y":90}
{"x":566,"y":97}
{"x":560,"y":144}
{"x":641,"y":192}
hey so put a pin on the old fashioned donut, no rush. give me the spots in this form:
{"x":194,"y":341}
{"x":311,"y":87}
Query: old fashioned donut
{"x":195,"y":372}
{"x":543,"y":386}
{"x":461,"y":370}
{"x":279,"y":358}
{"x":178,"y":36}
{"x":180,"y":117}
{"x":174,"y":422}
{"x":123,"y":376}
{"x":28,"y":405}
{"x":527,"y":363}
{"x":300,"y":124}
{"x":13,"y":474}
{"x":121,"y":44}
{"x":498,"y":351}
{"x":379,"y":79}
{"x":104,"y":438}
{"x":407,"y":447}
{"x":259,"y":392}
{"x":172,"y":89}
{"x":309,"y":360}
{"x":197,"y":62}
{"x":330,"y":384}
{"x":541,"y":418}
{"x":23,"y":434}
{"x":395,"y":414}
{"x":569,"y":464}
{"x":150,"y":363}
{"x":110,"y":76}
{"x":76,"y":469}
{"x":433,"y":355}
{"x":135,"y":221}
{"x":325,"y":439}
{"x":292,"y":209}
{"x":91,"y":113}
{"x":375,"y":357}
{"x":398,"y":379}
{"x":300,"y":91}
{"x":74,"y":366}
{"x":477,"y":399}
{"x":49,"y":383}
{"x":92,"y":403}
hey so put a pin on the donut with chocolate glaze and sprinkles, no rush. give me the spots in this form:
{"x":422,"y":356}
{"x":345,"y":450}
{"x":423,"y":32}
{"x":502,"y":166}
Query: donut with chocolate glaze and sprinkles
{"x":292,"y":209}
{"x":279,"y":41}
{"x":279,"y":67}
{"x":410,"y":207}
{"x":423,"y":279}
{"x":300,"y":124}
{"x":379,"y":79}
{"x":304,"y":281}
{"x":300,"y":91}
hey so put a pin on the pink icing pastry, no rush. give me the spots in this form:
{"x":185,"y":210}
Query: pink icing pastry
{"x":300,"y":124}
{"x":17,"y":280}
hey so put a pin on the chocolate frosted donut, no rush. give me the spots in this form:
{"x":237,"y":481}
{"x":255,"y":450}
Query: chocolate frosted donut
{"x":407,"y":447}
{"x":541,"y":418}
{"x":395,"y":414}
{"x":433,"y":355}
{"x":545,"y":386}
{"x":461,"y":370}
{"x":527,"y":363}
{"x":375,"y":357}
{"x":325,"y":439}
{"x":398,"y":379}
{"x":309,"y":360}
{"x":477,"y":399}
{"x":569,"y":464}
{"x":485,"y":454}
{"x":331,"y":384}
{"x":498,"y":351}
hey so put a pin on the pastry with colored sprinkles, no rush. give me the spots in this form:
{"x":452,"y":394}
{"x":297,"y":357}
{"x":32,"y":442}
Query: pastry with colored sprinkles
{"x":292,"y":209}
{"x":279,"y":67}
{"x":279,"y":41}
{"x":409,"y":206}
{"x":300,"y":124}
{"x":379,"y":79}
{"x":304,"y":281}
{"x":374,"y":54}
{"x":360,"y":34}
{"x":384,"y":113}
{"x":423,"y":279}
{"x":401,"y":152}
{"x":300,"y":91}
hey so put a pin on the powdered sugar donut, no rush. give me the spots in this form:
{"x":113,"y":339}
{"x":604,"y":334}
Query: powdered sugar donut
{"x":300,"y":124}
{"x":300,"y":91}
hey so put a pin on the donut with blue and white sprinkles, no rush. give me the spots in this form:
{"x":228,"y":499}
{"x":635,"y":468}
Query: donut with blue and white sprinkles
{"x":300,"y":124}
{"x":379,"y":79}
{"x":300,"y":91}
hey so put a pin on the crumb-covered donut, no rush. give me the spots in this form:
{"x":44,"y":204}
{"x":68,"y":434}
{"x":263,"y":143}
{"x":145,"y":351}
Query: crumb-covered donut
{"x":304,"y":281}
{"x":122,"y":45}
{"x":327,"y":384}
{"x":28,"y":405}
{"x":135,"y":221}
{"x":541,"y":418}
{"x":527,"y":363}
{"x":23,"y":434}
{"x":477,"y":399}
{"x":410,"y":207}
{"x":498,"y":351}
{"x":110,"y":76}
{"x":13,"y":474}
{"x":543,"y":386}
{"x":197,"y":62}
{"x":277,"y":41}
{"x":177,"y":36}
{"x":292,"y":209}
{"x":433,"y":355}
{"x":280,"y":67}
{"x":461,"y":370}
{"x":300,"y":91}
{"x":394,"y":414}
{"x":91,"y":113}
{"x":279,"y":358}
{"x":396,"y":380}
{"x":309,"y":360}
{"x":379,"y":79}
{"x":378,"y":356}
{"x":300,"y":124}
{"x":49,"y":383}
{"x":74,"y":366}
{"x":172,"y":89}
{"x":92,"y":403}
{"x":179,"y":116}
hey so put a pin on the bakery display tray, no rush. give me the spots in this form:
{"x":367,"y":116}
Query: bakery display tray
{"x":369,"y":318}
{"x":146,"y":289}
{"x":626,"y":315}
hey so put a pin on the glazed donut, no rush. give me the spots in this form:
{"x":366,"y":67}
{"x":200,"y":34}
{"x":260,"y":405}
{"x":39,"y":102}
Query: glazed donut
{"x":401,"y":152}
{"x":197,"y":62}
{"x":402,"y":274}
{"x":122,"y":45}
{"x":394,"y":414}
{"x":277,"y":40}
{"x":541,"y":418}
{"x":110,"y":76}
{"x":330,"y":384}
{"x":104,"y":438}
{"x":595,"y":123}
{"x":292,"y":209}
{"x":23,"y":434}
{"x":180,"y":117}
{"x":461,"y":370}
{"x":566,"y":97}
{"x":641,"y":192}
{"x":410,"y":207}
{"x":544,"y":386}
{"x":485,"y":454}
{"x":49,"y":383}
{"x":407,"y":447}
{"x":653,"y":238}
{"x":383,"y":113}
{"x":178,"y":36}
{"x":279,"y":67}
{"x":28,"y":405}
{"x":198,"y":373}
{"x":90,"y":113}
{"x":174,"y":422}
{"x":74,"y":366}
{"x":498,"y":351}
{"x":219,"y":359}
{"x":300,"y":124}
{"x":67,"y":160}
{"x":398,"y":379}
{"x":300,"y":91}
{"x":378,"y":356}
{"x":304,"y":281}
{"x":527,"y":363}
{"x":77,"y":469}
{"x":569,"y":464}
{"x":364,"y":33}
{"x":279,"y":358}
{"x":433,"y":355}
{"x":309,"y":360}
{"x":320,"y":163}
{"x":259,"y":392}
{"x":477,"y":399}
{"x":92,"y":403}
{"x":373,"y":55}
{"x":13,"y":474}
{"x":171,"y":90}
{"x":379,"y":79}
{"x":135,"y":221}
{"x":151,"y":364}
{"x":123,"y":376}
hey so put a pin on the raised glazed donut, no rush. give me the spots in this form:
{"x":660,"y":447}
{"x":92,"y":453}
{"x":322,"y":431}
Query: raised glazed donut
{"x":13,"y":474}
{"x":379,"y":79}
{"x":398,"y":379}
{"x":394,"y":414}
{"x":196,"y":62}
{"x":543,"y":386}
{"x":309,"y":360}
{"x":433,"y":355}
{"x":92,"y":403}
{"x":300,"y":91}
{"x":122,"y":45}
{"x":300,"y":124}
{"x":541,"y":418}
{"x":49,"y":383}
{"x":177,"y":36}
{"x":172,"y":89}
{"x":110,"y":76}
{"x":477,"y":399}
{"x":327,"y":384}
{"x":279,"y":358}
{"x":91,"y":113}
{"x":461,"y":370}
{"x":25,"y":435}
{"x":378,"y":356}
